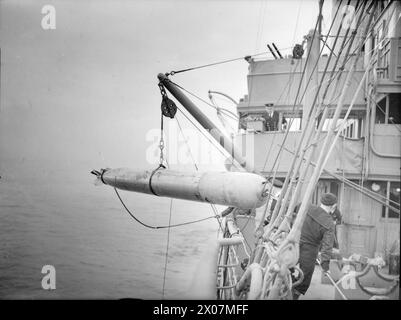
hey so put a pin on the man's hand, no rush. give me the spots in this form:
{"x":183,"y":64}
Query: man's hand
{"x":336,"y":251}
{"x":325,"y":266}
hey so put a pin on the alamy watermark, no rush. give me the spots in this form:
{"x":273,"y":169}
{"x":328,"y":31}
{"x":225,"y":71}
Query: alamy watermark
{"x":49,"y":278}
{"x":48,"y":21}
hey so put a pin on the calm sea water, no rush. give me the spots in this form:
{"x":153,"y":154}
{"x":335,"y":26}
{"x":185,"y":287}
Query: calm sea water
{"x":62,"y":219}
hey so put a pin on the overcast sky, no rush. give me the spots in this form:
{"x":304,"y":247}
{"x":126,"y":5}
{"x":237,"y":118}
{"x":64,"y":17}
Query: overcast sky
{"x":85,"y":94}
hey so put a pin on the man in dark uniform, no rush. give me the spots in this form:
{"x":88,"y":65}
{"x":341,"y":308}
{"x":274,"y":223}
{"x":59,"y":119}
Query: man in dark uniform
{"x":317,"y":233}
{"x":336,"y":215}
{"x":271,"y":118}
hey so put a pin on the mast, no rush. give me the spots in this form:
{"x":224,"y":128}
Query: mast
{"x":205,"y":122}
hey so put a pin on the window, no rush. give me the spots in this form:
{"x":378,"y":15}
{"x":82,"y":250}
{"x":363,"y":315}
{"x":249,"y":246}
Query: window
{"x":388,"y":109}
{"x":351,"y":128}
{"x":394,"y":116}
{"x":334,"y":188}
{"x":394,"y":197}
{"x":381,"y":111}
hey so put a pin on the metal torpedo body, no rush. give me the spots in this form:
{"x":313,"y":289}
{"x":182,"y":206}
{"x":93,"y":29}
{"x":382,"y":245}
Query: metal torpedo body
{"x":235,"y":189}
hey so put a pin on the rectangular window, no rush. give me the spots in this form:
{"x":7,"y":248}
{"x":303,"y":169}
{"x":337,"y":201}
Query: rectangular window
{"x":391,"y":113}
{"x":394,"y":201}
{"x":394,"y":196}
{"x":334,"y":188}
{"x":381,"y":111}
{"x":394,"y":116}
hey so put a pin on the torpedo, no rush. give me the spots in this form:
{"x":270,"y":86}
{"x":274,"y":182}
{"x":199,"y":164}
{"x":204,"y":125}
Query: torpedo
{"x":235,"y":189}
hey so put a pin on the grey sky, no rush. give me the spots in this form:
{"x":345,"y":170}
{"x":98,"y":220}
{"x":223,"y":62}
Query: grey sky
{"x":86,"y":93}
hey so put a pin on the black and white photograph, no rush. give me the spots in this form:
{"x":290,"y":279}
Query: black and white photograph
{"x":200,"y":150}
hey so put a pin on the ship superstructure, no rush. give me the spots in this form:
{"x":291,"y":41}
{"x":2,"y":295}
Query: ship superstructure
{"x":368,"y":151}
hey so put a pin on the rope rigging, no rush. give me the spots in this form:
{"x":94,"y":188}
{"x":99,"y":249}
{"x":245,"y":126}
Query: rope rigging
{"x":319,"y":128}
{"x":294,"y":174}
{"x":299,"y":87}
{"x":248,"y":57}
{"x":300,"y":182}
{"x":278,"y":156}
{"x":289,"y":126}
{"x":295,"y":231}
{"x":286,"y":181}
{"x":368,"y":95}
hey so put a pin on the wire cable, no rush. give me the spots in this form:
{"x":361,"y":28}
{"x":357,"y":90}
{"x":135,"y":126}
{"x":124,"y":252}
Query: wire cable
{"x":158,"y":227}
{"x":167,"y":247}
{"x":223,"y":62}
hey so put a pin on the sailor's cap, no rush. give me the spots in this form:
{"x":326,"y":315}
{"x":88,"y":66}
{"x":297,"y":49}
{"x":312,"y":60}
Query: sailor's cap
{"x":328,"y":199}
